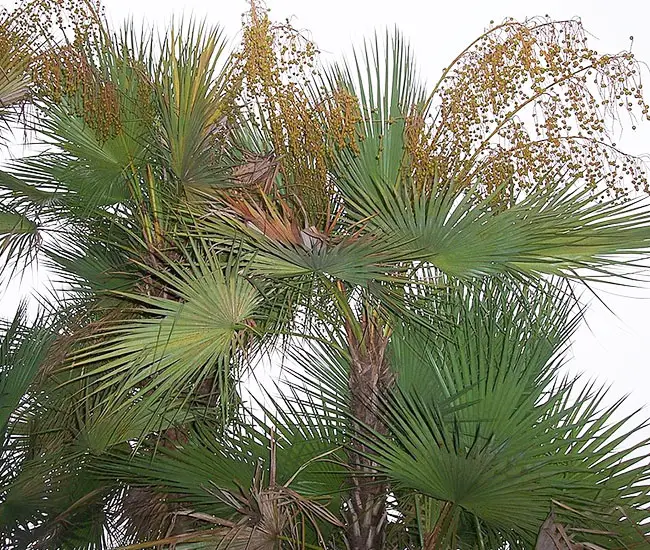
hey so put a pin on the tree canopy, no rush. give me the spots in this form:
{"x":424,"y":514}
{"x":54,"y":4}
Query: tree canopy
{"x":410,"y":254}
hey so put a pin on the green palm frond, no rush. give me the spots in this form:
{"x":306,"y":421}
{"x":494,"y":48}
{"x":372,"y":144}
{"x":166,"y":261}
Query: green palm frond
{"x":20,"y":240}
{"x":550,"y":231}
{"x":36,"y":485}
{"x":19,"y":195}
{"x":190,"y":90}
{"x":556,"y":228}
{"x":94,"y":262}
{"x":383,"y":77}
{"x":22,"y":350}
{"x":175,"y":342}
{"x":352,"y":259}
{"x":15,"y":224}
{"x":54,"y":503}
{"x":480,"y":421}
{"x":93,"y":168}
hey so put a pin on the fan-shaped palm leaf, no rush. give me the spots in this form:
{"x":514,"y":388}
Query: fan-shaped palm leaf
{"x":480,"y":422}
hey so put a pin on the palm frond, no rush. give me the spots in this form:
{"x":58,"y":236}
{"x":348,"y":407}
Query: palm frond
{"x":190,"y":90}
{"x":170,"y":346}
{"x":22,"y":350}
{"x":480,"y":421}
{"x":556,"y":228}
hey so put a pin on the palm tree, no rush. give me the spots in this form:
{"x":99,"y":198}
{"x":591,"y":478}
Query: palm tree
{"x":200,"y":210}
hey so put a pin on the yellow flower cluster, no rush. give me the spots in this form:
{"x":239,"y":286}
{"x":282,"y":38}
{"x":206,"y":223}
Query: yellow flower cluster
{"x":277,"y":71}
{"x":66,"y":73}
{"x":527,"y":98}
{"x":57,"y":31}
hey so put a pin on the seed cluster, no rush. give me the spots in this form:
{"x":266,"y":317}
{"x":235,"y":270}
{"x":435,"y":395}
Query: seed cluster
{"x":56,"y":32}
{"x":278,"y":71}
{"x":524,"y":98}
{"x":15,"y":59}
{"x":67,"y":74}
{"x":45,"y":23}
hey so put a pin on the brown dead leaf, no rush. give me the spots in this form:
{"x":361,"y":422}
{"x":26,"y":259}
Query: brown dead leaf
{"x":553,"y":536}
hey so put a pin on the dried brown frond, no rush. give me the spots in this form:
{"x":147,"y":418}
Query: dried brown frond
{"x":256,"y":172}
{"x":269,"y":516}
{"x":81,"y":330}
{"x":151,"y":515}
{"x":555,"y":536}
{"x":258,"y":202}
{"x":276,"y":515}
{"x":147,"y":514}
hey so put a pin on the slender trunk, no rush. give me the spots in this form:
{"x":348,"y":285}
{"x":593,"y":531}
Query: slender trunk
{"x":434,"y":540}
{"x":369,"y":378}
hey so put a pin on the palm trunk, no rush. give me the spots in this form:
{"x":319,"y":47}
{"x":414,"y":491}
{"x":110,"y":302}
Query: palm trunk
{"x":370,"y":377}
{"x":434,"y":540}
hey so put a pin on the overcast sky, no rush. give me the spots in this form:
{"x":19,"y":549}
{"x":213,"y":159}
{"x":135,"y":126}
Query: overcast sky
{"x":614,"y":346}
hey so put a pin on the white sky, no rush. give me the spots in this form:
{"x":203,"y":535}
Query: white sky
{"x":613,"y":348}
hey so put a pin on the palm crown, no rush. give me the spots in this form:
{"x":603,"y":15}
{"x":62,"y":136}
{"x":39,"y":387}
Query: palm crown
{"x":199,"y":210}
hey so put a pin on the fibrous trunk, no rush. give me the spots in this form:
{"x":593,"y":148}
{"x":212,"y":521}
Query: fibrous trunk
{"x":370,"y":377}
